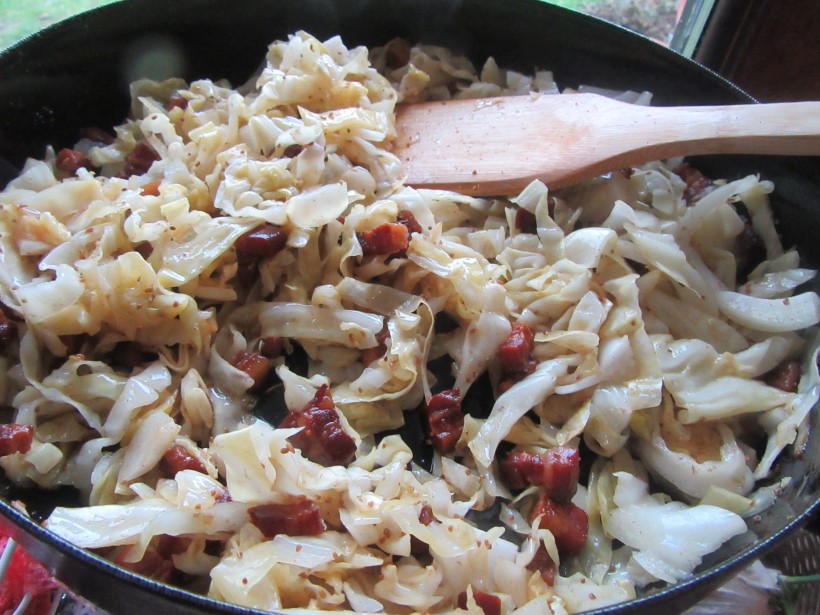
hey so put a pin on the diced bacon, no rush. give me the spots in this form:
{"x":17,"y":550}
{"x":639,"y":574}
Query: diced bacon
{"x":516,"y":355}
{"x":377,"y":352}
{"x":96,"y":134}
{"x":556,"y":470}
{"x":543,"y":563}
{"x":516,"y":350}
{"x":785,"y":376}
{"x":69,"y":161}
{"x":525,"y":221}
{"x":144,"y":249}
{"x":697,"y":184}
{"x":568,"y":523}
{"x":323,"y":438}
{"x":15,"y":438}
{"x":253,"y":364}
{"x":409,"y":220}
{"x":176,"y":459}
{"x":385,"y":239}
{"x":445,"y":420}
{"x":139,"y":160}
{"x":299,"y":518}
{"x":271,"y":346}
{"x":262,"y":242}
{"x":489,"y":603}
{"x":177,"y":101}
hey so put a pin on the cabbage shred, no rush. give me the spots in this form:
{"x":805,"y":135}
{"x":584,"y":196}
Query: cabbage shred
{"x":649,"y":348}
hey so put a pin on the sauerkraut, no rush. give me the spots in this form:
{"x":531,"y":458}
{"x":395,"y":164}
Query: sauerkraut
{"x":232,"y":249}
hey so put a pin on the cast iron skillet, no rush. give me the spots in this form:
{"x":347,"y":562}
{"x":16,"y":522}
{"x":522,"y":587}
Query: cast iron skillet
{"x":75,"y":74}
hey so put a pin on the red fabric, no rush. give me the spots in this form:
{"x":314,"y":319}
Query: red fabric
{"x":25,"y":575}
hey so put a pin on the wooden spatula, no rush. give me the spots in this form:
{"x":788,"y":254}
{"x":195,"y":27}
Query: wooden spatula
{"x":496,"y":146}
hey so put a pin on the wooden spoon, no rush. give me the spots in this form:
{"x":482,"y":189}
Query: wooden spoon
{"x":496,"y":146}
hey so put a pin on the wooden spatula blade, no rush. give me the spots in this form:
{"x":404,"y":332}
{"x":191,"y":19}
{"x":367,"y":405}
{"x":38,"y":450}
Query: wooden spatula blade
{"x":496,"y":146}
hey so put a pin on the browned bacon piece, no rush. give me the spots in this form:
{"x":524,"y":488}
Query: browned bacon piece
{"x":15,"y":438}
{"x":697,"y":184}
{"x":516,"y":354}
{"x":176,"y":459}
{"x":271,"y":346}
{"x":377,"y":352}
{"x":489,"y":603}
{"x":385,"y":239}
{"x":525,"y":221}
{"x":253,"y":364}
{"x":568,"y":523}
{"x":177,"y":101}
{"x":70,"y":160}
{"x":543,"y":563}
{"x":299,"y":518}
{"x":785,"y":376}
{"x":139,"y":160}
{"x":262,"y":242}
{"x":409,"y":220}
{"x":323,"y":438}
{"x":556,"y":470}
{"x":516,"y":350}
{"x":445,"y":420}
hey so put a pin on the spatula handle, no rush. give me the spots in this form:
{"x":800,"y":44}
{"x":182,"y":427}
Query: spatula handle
{"x":499,"y":145}
{"x":780,"y":128}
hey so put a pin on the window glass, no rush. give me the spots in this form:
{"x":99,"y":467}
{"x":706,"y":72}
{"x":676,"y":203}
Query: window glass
{"x":21,"y":18}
